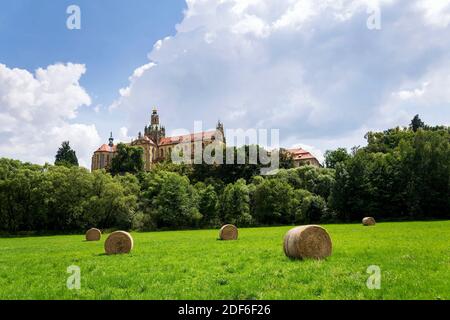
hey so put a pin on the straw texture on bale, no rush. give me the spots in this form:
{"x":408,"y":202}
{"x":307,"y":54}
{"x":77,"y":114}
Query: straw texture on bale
{"x":308,"y":241}
{"x":228,"y":232}
{"x":368,"y":221}
{"x":119,"y":242}
{"x":93,"y":235}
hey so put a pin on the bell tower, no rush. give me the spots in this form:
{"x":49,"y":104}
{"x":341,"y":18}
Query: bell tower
{"x":155,"y":131}
{"x":111,"y":140}
{"x":155,"y":118}
{"x":219,"y":128}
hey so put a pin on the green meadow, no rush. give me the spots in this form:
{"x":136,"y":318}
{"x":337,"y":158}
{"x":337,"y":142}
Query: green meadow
{"x":414,"y":259}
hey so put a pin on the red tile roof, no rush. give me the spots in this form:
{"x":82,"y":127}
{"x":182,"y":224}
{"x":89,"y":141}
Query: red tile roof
{"x":208,"y":135}
{"x":300,"y":154}
{"x":107,"y":148}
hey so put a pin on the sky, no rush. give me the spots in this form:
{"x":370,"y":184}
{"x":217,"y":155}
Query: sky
{"x":322,"y":72}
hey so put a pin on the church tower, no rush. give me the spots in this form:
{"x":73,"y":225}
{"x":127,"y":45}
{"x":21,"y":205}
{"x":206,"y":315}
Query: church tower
{"x":111,"y":141}
{"x":155,"y":131}
{"x":155,"y":118}
{"x":219,"y":128}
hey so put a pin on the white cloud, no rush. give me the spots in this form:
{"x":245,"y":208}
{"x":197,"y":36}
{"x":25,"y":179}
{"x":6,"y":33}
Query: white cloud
{"x":36,"y":112}
{"x":297,"y":14}
{"x":410,"y":94}
{"x":310,"y":68}
{"x":123,"y":135}
{"x":251,"y":24}
{"x":428,"y":96}
{"x":437,"y":12}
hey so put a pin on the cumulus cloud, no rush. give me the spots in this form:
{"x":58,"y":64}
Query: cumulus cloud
{"x":37,"y":113}
{"x":426,"y":95}
{"x":310,"y":68}
{"x":123,"y":135}
{"x":437,"y":12}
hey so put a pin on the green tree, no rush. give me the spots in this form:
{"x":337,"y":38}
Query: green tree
{"x":170,"y":200}
{"x":333,"y":157}
{"x":128,"y":159}
{"x":19,"y":205}
{"x":273,"y":202}
{"x":286,"y":160}
{"x":65,"y":156}
{"x":316,"y":180}
{"x":416,"y":123}
{"x":208,"y":202}
{"x":311,"y":209}
{"x":113,"y":202}
{"x":234,"y":204}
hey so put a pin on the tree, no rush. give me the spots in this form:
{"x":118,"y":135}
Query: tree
{"x":128,"y":159}
{"x":171,"y":201}
{"x":351,"y":193}
{"x":286,"y":160}
{"x":333,"y":157}
{"x":401,"y":174}
{"x":66,"y":156}
{"x":113,"y":201}
{"x":273,"y":202}
{"x":207,"y":204}
{"x":243,"y":166}
{"x":235,"y":204}
{"x":416,"y":123}
{"x":312,"y":209}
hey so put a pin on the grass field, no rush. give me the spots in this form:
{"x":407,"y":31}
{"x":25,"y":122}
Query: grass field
{"x":414,"y":258}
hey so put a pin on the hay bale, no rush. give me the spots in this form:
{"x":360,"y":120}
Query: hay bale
{"x":93,"y":234}
{"x":368,"y":221}
{"x":228,"y":232}
{"x":119,"y":242}
{"x":308,"y":241}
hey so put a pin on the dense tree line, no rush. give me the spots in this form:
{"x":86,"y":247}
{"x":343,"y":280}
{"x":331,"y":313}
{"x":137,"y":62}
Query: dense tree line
{"x":400,"y":174}
{"x":66,"y":199}
{"x":60,"y":198}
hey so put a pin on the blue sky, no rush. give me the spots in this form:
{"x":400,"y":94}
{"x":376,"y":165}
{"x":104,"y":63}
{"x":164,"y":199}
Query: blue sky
{"x":313,"y":69}
{"x":114,"y":40}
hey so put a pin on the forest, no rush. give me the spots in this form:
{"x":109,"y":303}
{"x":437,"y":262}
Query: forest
{"x":402,"y":174}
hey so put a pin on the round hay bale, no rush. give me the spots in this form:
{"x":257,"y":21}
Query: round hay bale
{"x":93,"y":234}
{"x":119,"y":242}
{"x":368,"y":221}
{"x":308,"y":241}
{"x":228,"y":232}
